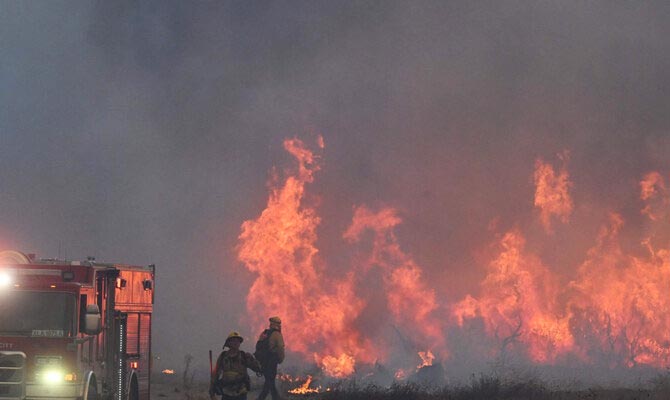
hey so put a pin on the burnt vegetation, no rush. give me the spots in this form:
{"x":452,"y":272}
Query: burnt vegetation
{"x":491,"y":388}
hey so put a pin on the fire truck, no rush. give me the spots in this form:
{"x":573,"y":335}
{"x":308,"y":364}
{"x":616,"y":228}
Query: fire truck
{"x":74,"y":329}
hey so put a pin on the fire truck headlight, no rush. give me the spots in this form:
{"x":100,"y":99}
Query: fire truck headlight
{"x":53,"y":376}
{"x":5,"y":279}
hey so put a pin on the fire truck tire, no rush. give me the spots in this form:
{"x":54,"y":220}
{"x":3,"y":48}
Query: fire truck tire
{"x":134,"y":393}
{"x":92,"y":390}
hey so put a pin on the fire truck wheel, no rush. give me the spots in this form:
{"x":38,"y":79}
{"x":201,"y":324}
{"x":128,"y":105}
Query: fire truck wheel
{"x":92,"y":390}
{"x":134,"y":390}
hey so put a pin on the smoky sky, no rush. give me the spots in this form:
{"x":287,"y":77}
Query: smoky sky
{"x":144,"y":132}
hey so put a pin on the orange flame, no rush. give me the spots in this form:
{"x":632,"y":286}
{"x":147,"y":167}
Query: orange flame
{"x":411,"y":302}
{"x":552,"y":195}
{"x":304,"y":388}
{"x":168,"y":371}
{"x":338,"y":367}
{"x":624,"y":302}
{"x":616,"y":306}
{"x":652,"y":185}
{"x":280,"y":247}
{"x":518,"y":304}
{"x":655,"y":195}
{"x":611,"y":306}
{"x":427,"y":358}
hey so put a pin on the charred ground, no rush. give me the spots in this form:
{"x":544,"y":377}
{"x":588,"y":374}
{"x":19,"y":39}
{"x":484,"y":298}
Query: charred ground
{"x":479,"y":388}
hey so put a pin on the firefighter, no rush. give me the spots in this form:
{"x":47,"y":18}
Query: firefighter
{"x":230,"y":378}
{"x":270,"y":349}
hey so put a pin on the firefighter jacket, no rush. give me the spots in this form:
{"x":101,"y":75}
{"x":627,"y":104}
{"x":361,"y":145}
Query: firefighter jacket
{"x":276,"y":346}
{"x":230,"y":376}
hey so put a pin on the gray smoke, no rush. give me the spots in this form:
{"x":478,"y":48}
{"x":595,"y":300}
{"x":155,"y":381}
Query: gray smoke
{"x":144,"y":132}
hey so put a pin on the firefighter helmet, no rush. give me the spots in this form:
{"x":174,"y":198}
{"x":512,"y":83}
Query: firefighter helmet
{"x":233,"y":335}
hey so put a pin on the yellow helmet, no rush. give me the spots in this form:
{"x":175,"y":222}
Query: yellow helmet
{"x":233,"y":335}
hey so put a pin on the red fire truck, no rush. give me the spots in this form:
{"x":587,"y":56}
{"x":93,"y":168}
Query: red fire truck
{"x":74,"y":329}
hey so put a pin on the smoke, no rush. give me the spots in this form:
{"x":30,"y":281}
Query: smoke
{"x":144,"y":133}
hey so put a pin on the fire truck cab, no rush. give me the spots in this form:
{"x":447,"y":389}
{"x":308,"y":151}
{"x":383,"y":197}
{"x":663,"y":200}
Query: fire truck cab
{"x":74,"y":329}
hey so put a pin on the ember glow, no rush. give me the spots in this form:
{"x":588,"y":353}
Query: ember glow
{"x":168,"y":371}
{"x":611,"y":307}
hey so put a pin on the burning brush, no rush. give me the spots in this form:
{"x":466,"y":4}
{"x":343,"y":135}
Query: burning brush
{"x":304,"y":387}
{"x":609,"y":308}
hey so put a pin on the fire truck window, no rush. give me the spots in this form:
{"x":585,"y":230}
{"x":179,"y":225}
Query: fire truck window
{"x":29,"y":313}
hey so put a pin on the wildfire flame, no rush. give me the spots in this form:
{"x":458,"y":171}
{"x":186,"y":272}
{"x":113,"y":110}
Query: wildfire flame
{"x":625,"y":300}
{"x":168,"y":371}
{"x":411,"y":302}
{"x":655,"y":195}
{"x":427,"y":358}
{"x":519,"y":302}
{"x":612,"y":305}
{"x":338,"y":367}
{"x":280,"y":247}
{"x":552,"y":195}
{"x":304,"y":388}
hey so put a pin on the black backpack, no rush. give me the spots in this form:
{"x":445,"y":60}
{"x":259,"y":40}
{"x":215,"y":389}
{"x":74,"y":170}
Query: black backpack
{"x":262,"y":353}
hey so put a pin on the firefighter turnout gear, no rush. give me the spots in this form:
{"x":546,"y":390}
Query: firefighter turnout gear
{"x":230,"y":378}
{"x":276,"y":345}
{"x":271,"y":342}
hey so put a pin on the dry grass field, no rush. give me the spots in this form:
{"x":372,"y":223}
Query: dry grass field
{"x":484,"y":388}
